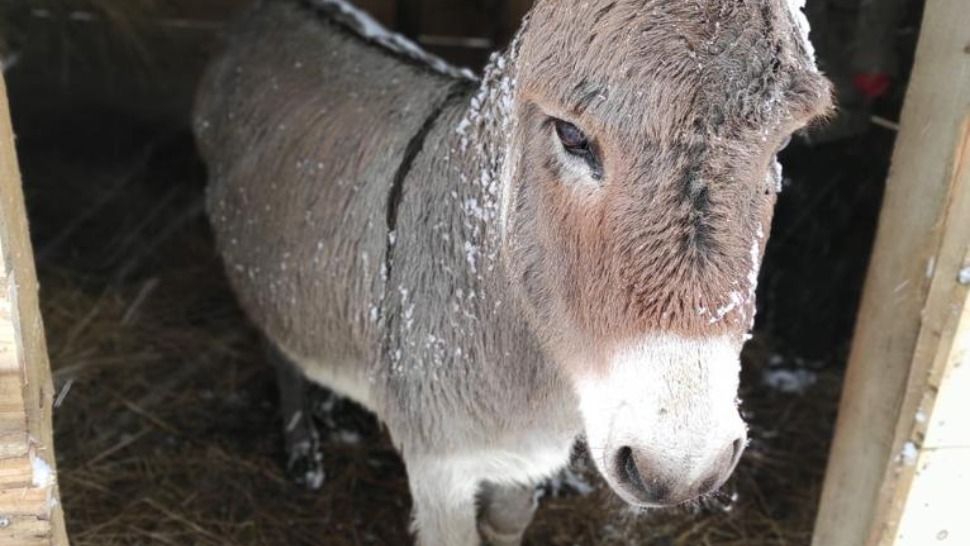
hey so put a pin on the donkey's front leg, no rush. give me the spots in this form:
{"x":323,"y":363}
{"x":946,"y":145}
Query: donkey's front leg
{"x":444,"y":503}
{"x":506,"y":511}
{"x":304,"y":455}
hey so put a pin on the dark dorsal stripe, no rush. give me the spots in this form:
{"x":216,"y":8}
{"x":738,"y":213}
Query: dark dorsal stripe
{"x":457,"y":92}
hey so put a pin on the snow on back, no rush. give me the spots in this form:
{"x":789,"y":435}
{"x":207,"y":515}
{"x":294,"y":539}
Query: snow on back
{"x":487,"y":130}
{"x":368,"y":28}
{"x":797,"y":8}
{"x":491,"y":107}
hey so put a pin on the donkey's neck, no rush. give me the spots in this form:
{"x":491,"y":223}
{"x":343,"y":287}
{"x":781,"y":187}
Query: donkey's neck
{"x":482,"y":152}
{"x":454,"y":316}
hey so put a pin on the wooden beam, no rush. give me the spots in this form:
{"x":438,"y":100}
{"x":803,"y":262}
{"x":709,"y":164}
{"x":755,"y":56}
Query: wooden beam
{"x":30,"y":513}
{"x":901,"y":434}
{"x":933,"y":509}
{"x":385,"y":11}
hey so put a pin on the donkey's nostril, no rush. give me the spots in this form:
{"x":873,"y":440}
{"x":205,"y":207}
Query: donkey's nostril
{"x":650,"y":478}
{"x":627,"y":468}
{"x":722,"y":468}
{"x":630,"y":468}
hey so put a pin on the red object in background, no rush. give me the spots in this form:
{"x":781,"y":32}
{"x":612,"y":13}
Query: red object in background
{"x":872,"y":85}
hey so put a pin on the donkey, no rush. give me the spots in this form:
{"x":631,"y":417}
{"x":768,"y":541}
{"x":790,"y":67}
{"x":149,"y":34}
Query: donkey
{"x":568,"y":247}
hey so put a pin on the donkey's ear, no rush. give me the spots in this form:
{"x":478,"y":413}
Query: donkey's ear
{"x":810,"y":95}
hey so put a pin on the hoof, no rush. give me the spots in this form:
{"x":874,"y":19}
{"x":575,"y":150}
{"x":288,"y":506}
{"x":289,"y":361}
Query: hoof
{"x":305,"y":464}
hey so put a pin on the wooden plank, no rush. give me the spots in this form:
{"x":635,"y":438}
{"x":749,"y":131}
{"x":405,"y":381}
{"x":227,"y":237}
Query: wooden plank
{"x":936,"y":440}
{"x":16,"y":471}
{"x":26,"y":501}
{"x":24,"y":531}
{"x":908,"y":328}
{"x":935,"y":509}
{"x":385,"y":11}
{"x":29,"y":508}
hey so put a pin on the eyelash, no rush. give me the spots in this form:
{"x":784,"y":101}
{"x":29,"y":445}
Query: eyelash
{"x":584,"y":150}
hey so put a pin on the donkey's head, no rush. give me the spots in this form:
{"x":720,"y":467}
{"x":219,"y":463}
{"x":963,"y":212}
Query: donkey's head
{"x":638,"y":188}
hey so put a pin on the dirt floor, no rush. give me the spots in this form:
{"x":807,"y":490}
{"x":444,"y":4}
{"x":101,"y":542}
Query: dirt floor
{"x":166,"y":420}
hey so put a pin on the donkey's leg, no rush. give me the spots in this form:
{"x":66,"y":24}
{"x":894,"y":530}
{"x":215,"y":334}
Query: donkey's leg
{"x":506,"y":511}
{"x":304,"y":456}
{"x":444,"y":503}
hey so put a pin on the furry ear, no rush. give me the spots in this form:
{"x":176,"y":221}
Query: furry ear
{"x":811,"y":97}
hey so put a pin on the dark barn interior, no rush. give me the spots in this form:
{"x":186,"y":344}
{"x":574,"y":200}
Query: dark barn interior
{"x":166,"y":419}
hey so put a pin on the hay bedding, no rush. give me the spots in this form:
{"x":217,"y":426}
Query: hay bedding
{"x":167,"y":427}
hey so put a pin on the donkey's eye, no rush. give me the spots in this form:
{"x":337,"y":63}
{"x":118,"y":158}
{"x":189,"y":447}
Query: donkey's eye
{"x":577,"y":144}
{"x":572,"y":138}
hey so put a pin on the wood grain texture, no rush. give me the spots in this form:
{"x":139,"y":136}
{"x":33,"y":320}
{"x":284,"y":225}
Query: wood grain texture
{"x":29,"y":509}
{"x":908,"y":323}
{"x":923,"y":500}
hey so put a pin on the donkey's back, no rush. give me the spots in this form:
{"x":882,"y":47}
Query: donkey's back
{"x":304,"y":126}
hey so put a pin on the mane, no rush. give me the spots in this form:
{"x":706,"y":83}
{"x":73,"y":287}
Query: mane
{"x":485,"y":133}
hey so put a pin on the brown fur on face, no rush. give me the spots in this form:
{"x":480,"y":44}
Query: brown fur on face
{"x":686,"y":103}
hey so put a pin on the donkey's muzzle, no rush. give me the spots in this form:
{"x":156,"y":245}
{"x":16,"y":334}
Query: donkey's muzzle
{"x":649,"y":480}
